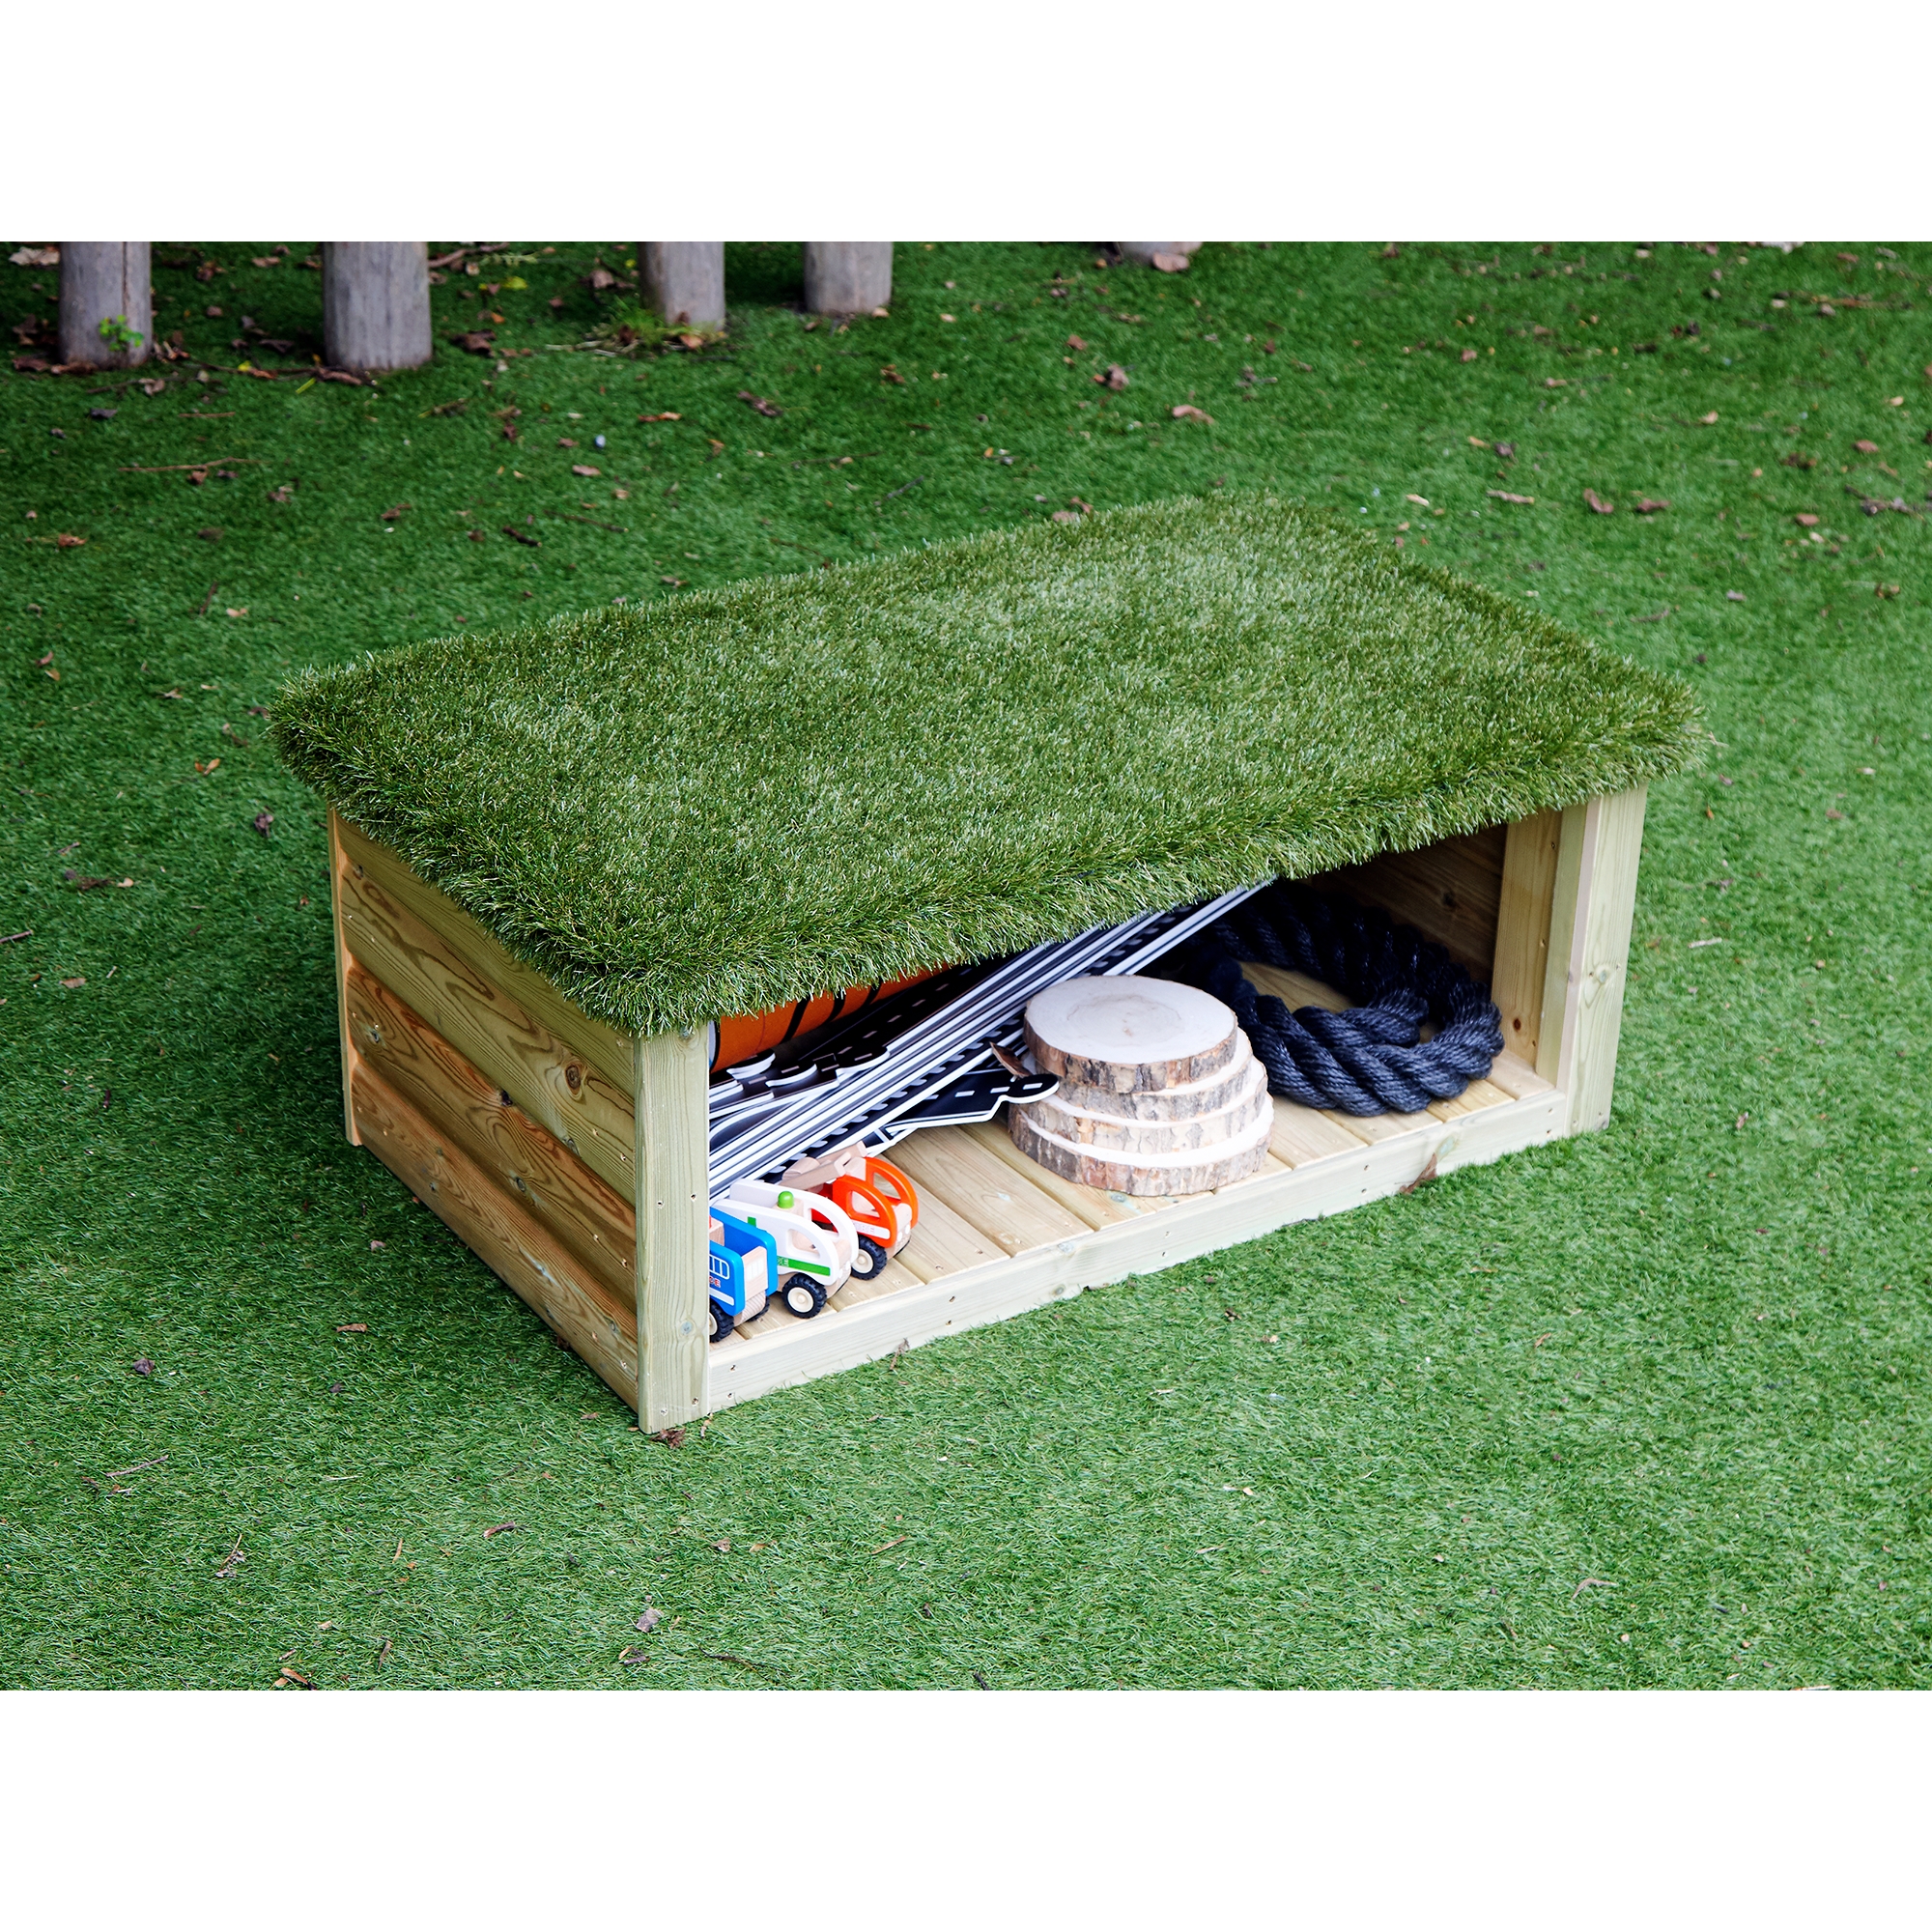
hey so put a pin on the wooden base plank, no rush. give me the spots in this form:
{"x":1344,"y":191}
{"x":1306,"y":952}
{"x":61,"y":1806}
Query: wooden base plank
{"x":951,"y":1304}
{"x":1302,"y":1135}
{"x":997,"y":1201}
{"x":525,"y":1160}
{"x":494,"y":1227}
{"x":942,"y":1243}
{"x":1091,"y":1205}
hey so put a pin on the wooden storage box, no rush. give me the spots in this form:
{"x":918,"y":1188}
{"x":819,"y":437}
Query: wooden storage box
{"x":572,"y":1157}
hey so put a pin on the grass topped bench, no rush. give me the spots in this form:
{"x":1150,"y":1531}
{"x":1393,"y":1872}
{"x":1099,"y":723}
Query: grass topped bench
{"x":559,"y":853}
{"x":722,"y":802}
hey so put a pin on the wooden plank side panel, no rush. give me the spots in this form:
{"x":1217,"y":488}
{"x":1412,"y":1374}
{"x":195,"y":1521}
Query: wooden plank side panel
{"x":1522,"y":929}
{"x":1601,"y":950}
{"x":1449,"y":891}
{"x":951,"y":1304}
{"x":344,"y":958}
{"x":594,"y":1040}
{"x":588,"y":1215}
{"x":539,"y":1070}
{"x":673,"y":1222}
{"x":496,"y":1228}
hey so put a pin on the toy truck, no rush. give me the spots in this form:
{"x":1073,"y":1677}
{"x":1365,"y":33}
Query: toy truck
{"x":813,"y":1239}
{"x":744,"y":1272}
{"x":879,"y":1197}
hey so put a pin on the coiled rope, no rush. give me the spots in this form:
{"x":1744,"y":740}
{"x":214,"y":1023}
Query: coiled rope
{"x":1372,"y":1059}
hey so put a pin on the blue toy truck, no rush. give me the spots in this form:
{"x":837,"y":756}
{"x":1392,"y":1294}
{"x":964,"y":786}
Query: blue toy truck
{"x":744,"y":1272}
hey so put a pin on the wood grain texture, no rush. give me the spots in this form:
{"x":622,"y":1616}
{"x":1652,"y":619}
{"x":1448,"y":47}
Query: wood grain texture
{"x":847,"y":277}
{"x":497,"y":1230}
{"x":991,"y":1196}
{"x":1521,"y":962}
{"x":942,"y":1243}
{"x":1092,"y":1207}
{"x":374,"y":304}
{"x":602,"y":1045}
{"x":951,"y":1304}
{"x":1450,"y":893}
{"x":673,"y":1223}
{"x":539,"y":1071}
{"x":522,"y":1158}
{"x":344,"y":959}
{"x":1610,"y":844}
{"x":1132,"y":1034}
{"x":1130,"y":1135}
{"x":111,"y":282}
{"x":683,"y":281}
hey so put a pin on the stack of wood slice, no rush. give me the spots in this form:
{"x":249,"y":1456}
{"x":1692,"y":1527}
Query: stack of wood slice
{"x":1159,"y":1092}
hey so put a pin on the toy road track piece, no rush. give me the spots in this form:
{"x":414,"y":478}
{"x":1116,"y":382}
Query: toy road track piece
{"x":1197,"y":1113}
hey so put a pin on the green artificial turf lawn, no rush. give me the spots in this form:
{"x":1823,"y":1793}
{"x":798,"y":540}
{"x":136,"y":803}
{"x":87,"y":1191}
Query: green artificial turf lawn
{"x":1649,"y":1407}
{"x":743,"y":797}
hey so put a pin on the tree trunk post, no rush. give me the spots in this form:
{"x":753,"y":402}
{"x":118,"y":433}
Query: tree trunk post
{"x":374,"y":304}
{"x":684,"y":281}
{"x":106,"y":303}
{"x":1170,"y":257}
{"x":847,"y":277}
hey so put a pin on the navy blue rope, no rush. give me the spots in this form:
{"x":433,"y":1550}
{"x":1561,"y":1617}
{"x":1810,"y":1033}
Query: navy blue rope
{"x":1372,"y":1059}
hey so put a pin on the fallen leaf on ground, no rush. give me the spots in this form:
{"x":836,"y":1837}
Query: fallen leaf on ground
{"x":723,"y":1546}
{"x":35,"y":258}
{"x":1734,"y":596}
{"x":661,"y":417}
{"x":263,"y":820}
{"x":1885,"y":590}
{"x":395,"y":511}
{"x":1116,"y":379}
{"x":516,"y":536}
{"x":601,"y":277}
{"x":764,"y":405}
{"x":1597,"y":504}
{"x":671,"y":1438}
{"x":212,"y":765}
{"x":584,"y":469}
{"x":352,"y":1328}
{"x":67,"y":540}
{"x":478,"y":341}
{"x":235,"y":611}
{"x":1510,"y":496}
{"x":1074,"y":342}
{"x":500,"y":1529}
{"x":1468,"y":356}
{"x":1065,"y":517}
{"x":1647,"y":506}
{"x":1865,"y":448}
{"x":650,"y":1620}
{"x":1806,"y":520}
{"x":1186,"y":411}
{"x":1708,"y":419}
{"x":72,"y":984}
{"x":143,"y":1367}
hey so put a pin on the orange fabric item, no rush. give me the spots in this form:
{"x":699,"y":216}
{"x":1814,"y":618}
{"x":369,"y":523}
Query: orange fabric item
{"x":742,"y":1037}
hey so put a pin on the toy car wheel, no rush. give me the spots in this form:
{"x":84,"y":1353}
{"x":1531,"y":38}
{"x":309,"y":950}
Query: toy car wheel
{"x":803,"y":1295}
{"x":721,"y":1322}
{"x":870,"y":1258}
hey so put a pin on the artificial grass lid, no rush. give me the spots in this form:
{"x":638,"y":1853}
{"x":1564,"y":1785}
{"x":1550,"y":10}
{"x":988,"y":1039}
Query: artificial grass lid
{"x":724,"y":801}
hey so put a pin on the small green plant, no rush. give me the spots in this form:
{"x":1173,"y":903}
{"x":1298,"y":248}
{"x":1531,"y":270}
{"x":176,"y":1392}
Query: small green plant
{"x":115,"y":332}
{"x":631,"y":326}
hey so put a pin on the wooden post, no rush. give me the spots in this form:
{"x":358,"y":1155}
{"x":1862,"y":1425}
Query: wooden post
{"x":374,"y":304}
{"x":103,"y":285}
{"x":1170,"y":257}
{"x":847,"y":277}
{"x":673,"y":1218}
{"x":1522,"y":965}
{"x":684,"y":281}
{"x":343,"y":961}
{"x":1594,"y":900}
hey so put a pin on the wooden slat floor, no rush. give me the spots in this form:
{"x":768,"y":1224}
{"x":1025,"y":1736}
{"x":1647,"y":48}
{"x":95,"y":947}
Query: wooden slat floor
{"x":982,"y":1199}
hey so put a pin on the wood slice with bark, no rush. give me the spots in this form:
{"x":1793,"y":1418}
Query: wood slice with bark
{"x":1191,"y":1171}
{"x":1130,"y":1035}
{"x":1220,"y":1090}
{"x":1127,"y":1137}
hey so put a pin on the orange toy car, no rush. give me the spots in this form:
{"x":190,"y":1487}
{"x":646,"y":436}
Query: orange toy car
{"x":879,"y":1197}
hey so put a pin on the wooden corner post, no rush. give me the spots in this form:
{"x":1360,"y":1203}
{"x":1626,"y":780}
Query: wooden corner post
{"x":673,"y":1216}
{"x":1594,"y":900}
{"x":345,"y":1038}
